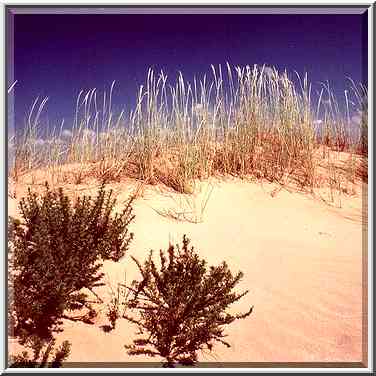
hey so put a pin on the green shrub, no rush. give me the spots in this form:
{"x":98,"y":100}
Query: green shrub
{"x":182,"y":305}
{"x":57,"y":249}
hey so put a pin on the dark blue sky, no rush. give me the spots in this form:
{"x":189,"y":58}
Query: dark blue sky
{"x":57,"y":55}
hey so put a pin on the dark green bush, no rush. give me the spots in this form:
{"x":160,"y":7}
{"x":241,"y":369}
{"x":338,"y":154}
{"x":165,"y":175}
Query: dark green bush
{"x":57,"y":250}
{"x":182,"y":305}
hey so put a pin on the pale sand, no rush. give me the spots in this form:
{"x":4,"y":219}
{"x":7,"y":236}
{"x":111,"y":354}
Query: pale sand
{"x":302,"y":262}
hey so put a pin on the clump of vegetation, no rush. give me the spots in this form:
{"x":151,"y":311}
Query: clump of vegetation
{"x":250,"y":121}
{"x":117,"y":306}
{"x":182,"y":305}
{"x":57,"y":249}
{"x":41,"y":355}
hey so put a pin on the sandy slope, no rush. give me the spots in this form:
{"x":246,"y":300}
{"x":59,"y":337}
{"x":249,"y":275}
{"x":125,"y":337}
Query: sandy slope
{"x":302,"y":261}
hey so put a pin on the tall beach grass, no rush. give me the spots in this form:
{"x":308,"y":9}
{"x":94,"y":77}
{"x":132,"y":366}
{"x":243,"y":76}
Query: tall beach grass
{"x":253,"y":122}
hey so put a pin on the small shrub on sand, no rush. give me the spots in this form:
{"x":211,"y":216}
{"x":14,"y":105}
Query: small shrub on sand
{"x":41,"y":355}
{"x":182,"y":306}
{"x":56,"y":251}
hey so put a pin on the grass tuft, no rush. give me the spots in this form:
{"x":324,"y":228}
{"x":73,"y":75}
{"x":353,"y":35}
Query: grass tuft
{"x":243,"y":121}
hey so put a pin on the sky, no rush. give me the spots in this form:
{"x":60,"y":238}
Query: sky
{"x":58,"y":55}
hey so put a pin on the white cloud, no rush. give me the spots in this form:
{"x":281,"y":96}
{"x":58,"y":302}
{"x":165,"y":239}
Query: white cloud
{"x":326,"y":101}
{"x":88,"y":133}
{"x":199,"y":107}
{"x":116,"y":132}
{"x":356,"y":119}
{"x":202,"y":111}
{"x":39,"y":142}
{"x":317,"y":122}
{"x":54,"y":142}
{"x":103,"y":135}
{"x":59,"y":141}
{"x":269,"y":71}
{"x":66,"y":133}
{"x":36,"y":142}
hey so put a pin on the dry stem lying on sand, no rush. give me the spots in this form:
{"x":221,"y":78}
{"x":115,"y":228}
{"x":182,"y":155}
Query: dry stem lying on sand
{"x":187,"y":207}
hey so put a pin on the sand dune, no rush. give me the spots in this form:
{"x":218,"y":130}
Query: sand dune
{"x":302,"y":261}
